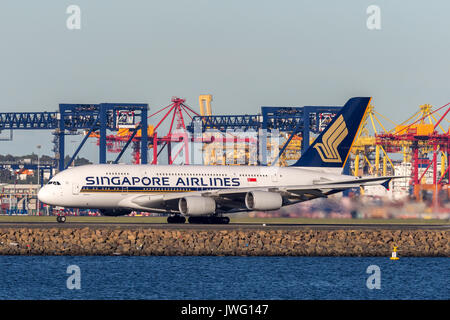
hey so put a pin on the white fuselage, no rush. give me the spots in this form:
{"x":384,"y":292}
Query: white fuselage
{"x":105,"y":186}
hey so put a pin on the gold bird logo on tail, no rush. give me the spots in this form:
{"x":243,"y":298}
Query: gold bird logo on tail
{"x":331,"y":140}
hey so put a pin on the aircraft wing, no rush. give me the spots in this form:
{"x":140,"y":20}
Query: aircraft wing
{"x":232,"y":200}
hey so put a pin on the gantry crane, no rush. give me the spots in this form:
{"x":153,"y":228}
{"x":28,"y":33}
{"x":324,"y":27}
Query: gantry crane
{"x":365,"y":150}
{"x":71,"y":118}
{"x":418,"y":140}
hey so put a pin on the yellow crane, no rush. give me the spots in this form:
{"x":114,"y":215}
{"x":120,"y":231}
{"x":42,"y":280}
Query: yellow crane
{"x":422,"y":124}
{"x":204,"y":100}
{"x":365,"y":146}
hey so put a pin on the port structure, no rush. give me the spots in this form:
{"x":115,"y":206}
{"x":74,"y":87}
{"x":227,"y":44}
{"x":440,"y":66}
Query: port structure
{"x":296,"y":123}
{"x":371,"y":158}
{"x":182,"y":121}
{"x":175,"y":116}
{"x":417,"y":140}
{"x":412,"y":148}
{"x":73,"y":117}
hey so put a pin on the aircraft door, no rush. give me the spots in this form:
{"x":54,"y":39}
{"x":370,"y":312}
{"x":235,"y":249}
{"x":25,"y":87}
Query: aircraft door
{"x":271,"y":172}
{"x":76,"y":188}
{"x":274,"y":177}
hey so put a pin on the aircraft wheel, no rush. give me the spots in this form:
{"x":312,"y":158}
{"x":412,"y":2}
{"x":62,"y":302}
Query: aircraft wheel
{"x":61,"y":219}
{"x":195,"y":220}
{"x":209,"y":220}
{"x":220,"y":220}
{"x":191,"y":220}
{"x":176,"y":219}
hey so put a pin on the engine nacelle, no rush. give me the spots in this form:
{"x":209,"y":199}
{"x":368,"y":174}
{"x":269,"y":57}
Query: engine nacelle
{"x":263,"y":200}
{"x":115,"y":212}
{"x":196,"y":206}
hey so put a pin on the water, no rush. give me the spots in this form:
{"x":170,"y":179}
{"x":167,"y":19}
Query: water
{"x":217,"y":278}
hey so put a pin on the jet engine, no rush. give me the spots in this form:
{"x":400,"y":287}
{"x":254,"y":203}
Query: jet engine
{"x":263,"y":200}
{"x":196,"y":206}
{"x":115,"y":212}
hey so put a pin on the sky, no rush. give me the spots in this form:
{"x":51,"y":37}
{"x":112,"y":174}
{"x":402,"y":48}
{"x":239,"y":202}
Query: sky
{"x":247,"y":54}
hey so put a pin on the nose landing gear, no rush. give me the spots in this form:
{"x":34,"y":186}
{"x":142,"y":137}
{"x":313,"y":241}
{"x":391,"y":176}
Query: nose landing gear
{"x":61,"y":219}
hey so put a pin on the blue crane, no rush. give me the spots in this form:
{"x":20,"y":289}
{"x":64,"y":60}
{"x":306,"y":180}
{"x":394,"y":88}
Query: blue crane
{"x":74,"y":117}
{"x":292,"y":120}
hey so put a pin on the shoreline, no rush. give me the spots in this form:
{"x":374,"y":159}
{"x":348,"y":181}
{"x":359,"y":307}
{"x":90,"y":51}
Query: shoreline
{"x":259,"y":241}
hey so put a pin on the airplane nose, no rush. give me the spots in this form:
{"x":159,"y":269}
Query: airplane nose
{"x":43,"y":195}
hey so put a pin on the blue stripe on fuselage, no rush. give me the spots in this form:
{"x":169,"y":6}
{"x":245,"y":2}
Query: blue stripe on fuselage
{"x":112,"y":189}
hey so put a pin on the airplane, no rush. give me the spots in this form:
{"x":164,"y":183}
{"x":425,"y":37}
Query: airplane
{"x":207,"y":194}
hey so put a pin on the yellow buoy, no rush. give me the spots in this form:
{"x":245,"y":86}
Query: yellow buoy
{"x":394,"y":254}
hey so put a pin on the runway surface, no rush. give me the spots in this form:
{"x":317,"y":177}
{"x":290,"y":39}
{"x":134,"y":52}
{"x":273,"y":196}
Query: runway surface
{"x":231,"y":226}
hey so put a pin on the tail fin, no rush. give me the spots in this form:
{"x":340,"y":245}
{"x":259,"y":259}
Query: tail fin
{"x":332,"y":147}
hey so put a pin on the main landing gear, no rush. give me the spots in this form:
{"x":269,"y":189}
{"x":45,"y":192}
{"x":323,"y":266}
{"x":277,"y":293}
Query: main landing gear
{"x":176,"y":219}
{"x":61,"y":219}
{"x":209,"y":220}
{"x":198,"y":220}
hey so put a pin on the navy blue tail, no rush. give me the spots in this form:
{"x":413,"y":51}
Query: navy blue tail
{"x":332,"y":146}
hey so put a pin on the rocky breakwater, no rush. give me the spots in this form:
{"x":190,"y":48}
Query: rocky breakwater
{"x":232,"y":242}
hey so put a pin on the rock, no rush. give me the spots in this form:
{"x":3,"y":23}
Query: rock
{"x":256,"y":242}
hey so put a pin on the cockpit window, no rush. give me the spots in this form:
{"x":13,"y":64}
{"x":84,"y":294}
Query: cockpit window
{"x":55,"y":183}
